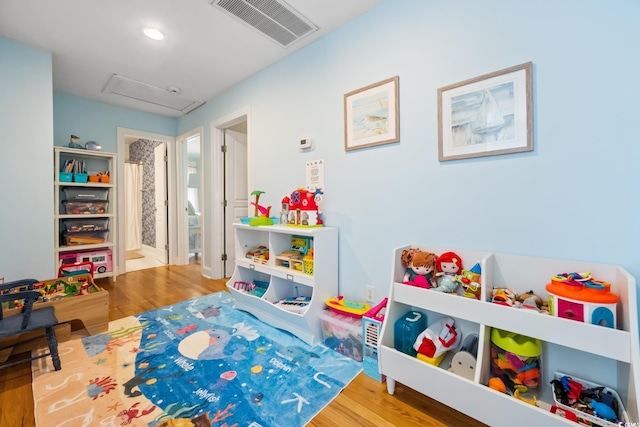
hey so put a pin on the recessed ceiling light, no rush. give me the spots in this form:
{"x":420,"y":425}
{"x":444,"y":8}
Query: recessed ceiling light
{"x":154,"y":34}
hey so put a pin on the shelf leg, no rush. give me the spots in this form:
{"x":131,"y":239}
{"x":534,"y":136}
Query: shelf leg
{"x":391,"y":385}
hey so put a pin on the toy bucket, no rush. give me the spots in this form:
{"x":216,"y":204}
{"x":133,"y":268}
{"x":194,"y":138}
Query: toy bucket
{"x":515,"y":360}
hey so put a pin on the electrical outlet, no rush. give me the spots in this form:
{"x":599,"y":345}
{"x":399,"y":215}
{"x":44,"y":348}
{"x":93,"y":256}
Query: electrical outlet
{"x":371,"y":294}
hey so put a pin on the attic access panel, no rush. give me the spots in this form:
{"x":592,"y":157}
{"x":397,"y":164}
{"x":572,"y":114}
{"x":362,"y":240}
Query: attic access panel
{"x":273,"y":18}
{"x":123,"y":86}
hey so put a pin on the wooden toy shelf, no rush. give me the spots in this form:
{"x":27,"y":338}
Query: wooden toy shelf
{"x":599,"y":354}
{"x":285,"y":282}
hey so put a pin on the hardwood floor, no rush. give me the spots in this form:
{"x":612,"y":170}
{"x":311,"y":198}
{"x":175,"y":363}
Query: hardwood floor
{"x":364,"y":402}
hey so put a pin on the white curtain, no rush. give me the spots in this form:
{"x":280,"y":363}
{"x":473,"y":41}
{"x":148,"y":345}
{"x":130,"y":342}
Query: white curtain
{"x":133,"y":206}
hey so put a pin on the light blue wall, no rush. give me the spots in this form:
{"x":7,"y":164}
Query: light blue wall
{"x":97,"y":121}
{"x":26,"y":135}
{"x":574,"y":196}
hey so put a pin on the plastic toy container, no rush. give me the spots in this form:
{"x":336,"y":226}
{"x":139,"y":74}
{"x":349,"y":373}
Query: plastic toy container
{"x":74,"y":194}
{"x":406,"y":330}
{"x":82,"y":224}
{"x":66,"y":177}
{"x":515,"y":360}
{"x":342,"y":334}
{"x":84,"y":238}
{"x":80,"y":177}
{"x":75,"y":208}
{"x":585,"y":418}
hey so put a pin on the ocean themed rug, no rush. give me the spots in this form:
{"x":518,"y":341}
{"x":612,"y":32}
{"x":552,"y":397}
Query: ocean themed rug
{"x":197,"y":363}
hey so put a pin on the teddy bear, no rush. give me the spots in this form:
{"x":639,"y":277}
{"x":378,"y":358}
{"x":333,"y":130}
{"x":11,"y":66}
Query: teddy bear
{"x":420,"y":267}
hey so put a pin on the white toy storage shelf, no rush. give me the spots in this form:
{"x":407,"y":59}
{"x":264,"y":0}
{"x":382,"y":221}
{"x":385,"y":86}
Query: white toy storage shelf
{"x":286,"y":282}
{"x":106,"y":191}
{"x":602,"y":355}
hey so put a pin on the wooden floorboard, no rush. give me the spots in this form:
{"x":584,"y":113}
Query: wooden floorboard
{"x":362,"y":403}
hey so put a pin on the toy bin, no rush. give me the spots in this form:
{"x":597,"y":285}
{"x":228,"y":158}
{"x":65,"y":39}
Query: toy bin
{"x":66,"y":177}
{"x":568,"y":389}
{"x":83,"y":238}
{"x":82,"y":194}
{"x":82,"y":224}
{"x":75,"y":208}
{"x":308,"y":265}
{"x":515,"y":361}
{"x":406,"y":330}
{"x":80,"y":177}
{"x":342,"y":334}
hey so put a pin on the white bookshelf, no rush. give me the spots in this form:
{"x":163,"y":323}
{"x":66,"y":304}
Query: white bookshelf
{"x":95,"y":161}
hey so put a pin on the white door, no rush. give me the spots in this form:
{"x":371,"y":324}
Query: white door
{"x":162,"y":248}
{"x":236,"y":191}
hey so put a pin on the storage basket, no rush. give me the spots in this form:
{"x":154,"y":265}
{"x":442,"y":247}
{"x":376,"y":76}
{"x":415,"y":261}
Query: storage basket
{"x":74,"y":194}
{"x":80,"y":177}
{"x":76,"y":208}
{"x":308,"y":266}
{"x":84,"y":238}
{"x":85,"y":224}
{"x":586,"y":417}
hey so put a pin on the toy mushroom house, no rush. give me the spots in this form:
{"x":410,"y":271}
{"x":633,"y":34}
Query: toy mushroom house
{"x":303,"y":209}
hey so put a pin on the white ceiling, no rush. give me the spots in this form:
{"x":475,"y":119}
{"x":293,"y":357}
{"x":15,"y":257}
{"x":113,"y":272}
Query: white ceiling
{"x":205,"y":51}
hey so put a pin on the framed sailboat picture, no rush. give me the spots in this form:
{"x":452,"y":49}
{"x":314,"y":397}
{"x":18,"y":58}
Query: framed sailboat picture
{"x":372,"y":115}
{"x":487,"y":115}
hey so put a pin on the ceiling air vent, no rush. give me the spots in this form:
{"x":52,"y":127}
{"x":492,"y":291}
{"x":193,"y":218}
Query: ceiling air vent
{"x":168,"y":98}
{"x":275,"y":19}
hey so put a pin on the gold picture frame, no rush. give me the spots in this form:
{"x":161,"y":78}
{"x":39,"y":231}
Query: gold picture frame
{"x":488,"y":115}
{"x":372,"y":115}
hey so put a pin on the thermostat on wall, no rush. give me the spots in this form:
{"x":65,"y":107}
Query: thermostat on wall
{"x":305,"y":143}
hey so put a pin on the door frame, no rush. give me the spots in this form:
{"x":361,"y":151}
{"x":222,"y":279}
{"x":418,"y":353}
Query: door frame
{"x":170,"y":141}
{"x":217,"y":181}
{"x":182,"y":251}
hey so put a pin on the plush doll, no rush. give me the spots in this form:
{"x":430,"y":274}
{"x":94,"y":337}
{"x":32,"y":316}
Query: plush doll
{"x":448,"y":265}
{"x":420,"y":267}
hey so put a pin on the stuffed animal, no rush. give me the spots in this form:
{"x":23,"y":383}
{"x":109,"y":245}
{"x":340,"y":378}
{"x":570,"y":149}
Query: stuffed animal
{"x":448,"y":265}
{"x":531,"y":301}
{"x":420,"y":267}
{"x":503,"y":296}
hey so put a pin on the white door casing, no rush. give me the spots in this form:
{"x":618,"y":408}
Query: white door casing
{"x":216,"y":178}
{"x":160,"y":198}
{"x":236,"y":190}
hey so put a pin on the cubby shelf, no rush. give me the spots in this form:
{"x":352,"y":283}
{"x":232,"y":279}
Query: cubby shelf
{"x":95,"y":161}
{"x":599,"y":354}
{"x":285,"y":282}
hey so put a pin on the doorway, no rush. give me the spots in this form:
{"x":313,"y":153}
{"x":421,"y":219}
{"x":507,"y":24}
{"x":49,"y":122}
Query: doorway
{"x":143,"y":193}
{"x":145,"y":186}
